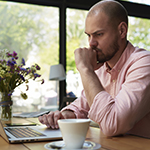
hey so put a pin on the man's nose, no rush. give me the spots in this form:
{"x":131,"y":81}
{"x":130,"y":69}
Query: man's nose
{"x":92,"y":42}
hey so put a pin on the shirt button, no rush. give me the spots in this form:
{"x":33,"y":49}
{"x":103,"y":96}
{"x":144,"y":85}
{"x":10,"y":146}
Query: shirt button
{"x":114,"y":81}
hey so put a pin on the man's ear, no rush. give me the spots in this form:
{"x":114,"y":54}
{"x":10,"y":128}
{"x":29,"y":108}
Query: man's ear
{"x":123,"y":28}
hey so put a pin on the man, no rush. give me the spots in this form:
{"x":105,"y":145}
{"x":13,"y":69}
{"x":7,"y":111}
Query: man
{"x":115,"y":76}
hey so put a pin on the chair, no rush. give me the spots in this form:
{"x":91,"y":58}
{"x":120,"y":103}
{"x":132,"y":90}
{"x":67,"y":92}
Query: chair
{"x":66,"y":101}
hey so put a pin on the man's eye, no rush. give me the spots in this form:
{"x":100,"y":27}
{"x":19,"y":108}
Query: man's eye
{"x":100,"y":34}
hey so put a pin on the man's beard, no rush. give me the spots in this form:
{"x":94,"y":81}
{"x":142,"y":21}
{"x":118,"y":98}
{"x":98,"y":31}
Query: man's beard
{"x":113,"y":48}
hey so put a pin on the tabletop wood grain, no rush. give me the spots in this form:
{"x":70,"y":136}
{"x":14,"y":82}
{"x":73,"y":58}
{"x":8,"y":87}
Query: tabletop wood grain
{"x":125,"y":142}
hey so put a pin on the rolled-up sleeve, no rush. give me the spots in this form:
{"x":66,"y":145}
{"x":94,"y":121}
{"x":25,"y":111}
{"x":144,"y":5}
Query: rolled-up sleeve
{"x":80,"y":106}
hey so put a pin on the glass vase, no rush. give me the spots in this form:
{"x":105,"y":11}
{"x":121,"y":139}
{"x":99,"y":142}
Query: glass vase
{"x":6,"y":106}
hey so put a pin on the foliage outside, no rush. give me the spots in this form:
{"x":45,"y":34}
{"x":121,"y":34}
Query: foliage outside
{"x":75,"y":35}
{"x":32,"y":31}
{"x":139,"y":32}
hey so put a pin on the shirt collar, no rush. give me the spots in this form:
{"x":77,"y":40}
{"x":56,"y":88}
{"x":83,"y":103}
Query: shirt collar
{"x":125,"y":55}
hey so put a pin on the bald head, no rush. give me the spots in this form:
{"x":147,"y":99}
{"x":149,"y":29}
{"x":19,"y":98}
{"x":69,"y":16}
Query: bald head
{"x":114,"y":10}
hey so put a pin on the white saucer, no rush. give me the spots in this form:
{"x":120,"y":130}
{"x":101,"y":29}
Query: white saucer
{"x":61,"y":145}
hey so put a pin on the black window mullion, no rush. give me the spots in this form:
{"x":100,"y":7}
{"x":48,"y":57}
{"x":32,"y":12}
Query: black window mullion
{"x":62,"y":49}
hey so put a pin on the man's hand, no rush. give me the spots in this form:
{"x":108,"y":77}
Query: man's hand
{"x":86,"y":63}
{"x":86,"y":58}
{"x":50,"y":120}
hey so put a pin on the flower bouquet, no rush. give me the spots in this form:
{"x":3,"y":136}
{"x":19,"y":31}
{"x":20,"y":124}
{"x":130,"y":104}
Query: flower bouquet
{"x":11,"y":76}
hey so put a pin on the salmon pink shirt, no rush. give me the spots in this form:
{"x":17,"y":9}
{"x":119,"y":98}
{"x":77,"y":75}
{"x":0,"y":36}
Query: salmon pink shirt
{"x":124,"y":106}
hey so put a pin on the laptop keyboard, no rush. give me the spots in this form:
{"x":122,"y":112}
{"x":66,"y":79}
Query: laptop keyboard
{"x":24,"y":132}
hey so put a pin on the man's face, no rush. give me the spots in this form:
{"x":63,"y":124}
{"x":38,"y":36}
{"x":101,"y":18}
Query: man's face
{"x":102,"y":36}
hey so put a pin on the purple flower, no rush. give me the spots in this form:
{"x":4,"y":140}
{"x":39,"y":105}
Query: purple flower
{"x":21,"y":76}
{"x":11,"y":62}
{"x":8,"y":54}
{"x":18,"y":73}
{"x":38,"y":67}
{"x":14,"y":54}
{"x":36,"y":75}
{"x":22,"y":69}
{"x":23,"y":61}
{"x":9,"y":94}
{"x":28,"y":71}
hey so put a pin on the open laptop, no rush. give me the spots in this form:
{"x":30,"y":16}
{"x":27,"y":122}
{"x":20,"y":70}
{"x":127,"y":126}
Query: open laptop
{"x":40,"y":133}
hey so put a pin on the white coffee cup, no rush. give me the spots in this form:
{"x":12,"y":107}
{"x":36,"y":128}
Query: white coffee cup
{"x":74,"y":132}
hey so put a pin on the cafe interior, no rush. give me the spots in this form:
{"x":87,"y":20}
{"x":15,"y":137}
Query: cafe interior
{"x":135,"y":9}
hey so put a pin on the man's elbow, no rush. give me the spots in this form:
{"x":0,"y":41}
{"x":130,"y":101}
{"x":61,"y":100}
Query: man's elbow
{"x":111,"y":133}
{"x":113,"y":130}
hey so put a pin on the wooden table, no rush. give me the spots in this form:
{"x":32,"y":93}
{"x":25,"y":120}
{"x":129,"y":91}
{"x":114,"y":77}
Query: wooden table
{"x":126,"y":142}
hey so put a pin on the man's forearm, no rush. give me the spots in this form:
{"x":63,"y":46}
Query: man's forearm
{"x":91,"y":84}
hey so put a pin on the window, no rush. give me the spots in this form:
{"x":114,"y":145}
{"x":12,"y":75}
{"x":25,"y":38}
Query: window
{"x":139,"y":32}
{"x":31,"y":31}
{"x":75,"y":38}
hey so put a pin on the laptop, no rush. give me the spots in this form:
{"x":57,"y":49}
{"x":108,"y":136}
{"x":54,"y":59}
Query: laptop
{"x":17,"y":134}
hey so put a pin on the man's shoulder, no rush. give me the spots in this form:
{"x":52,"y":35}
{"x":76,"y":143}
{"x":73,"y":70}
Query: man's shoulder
{"x":136,"y":56}
{"x":140,"y":53}
{"x":139,"y":57}
{"x":135,"y":50}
